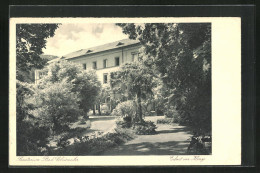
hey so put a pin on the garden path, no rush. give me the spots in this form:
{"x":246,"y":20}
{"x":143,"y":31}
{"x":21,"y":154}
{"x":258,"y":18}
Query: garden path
{"x":169,"y":140}
{"x":101,"y":124}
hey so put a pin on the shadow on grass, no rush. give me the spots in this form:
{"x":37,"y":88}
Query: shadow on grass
{"x":146,"y":148}
{"x":101,"y":118}
{"x":174,"y":130}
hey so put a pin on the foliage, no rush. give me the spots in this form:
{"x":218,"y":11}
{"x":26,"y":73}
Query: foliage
{"x":31,"y":137}
{"x":182,"y":54}
{"x":105,"y":109}
{"x":23,"y":91}
{"x":30,"y":39}
{"x":56,"y":106}
{"x":144,"y":128}
{"x":125,"y":123}
{"x":165,"y":121}
{"x":91,"y":145}
{"x":105,"y":94}
{"x":125,"y":109}
{"x":139,"y":128}
{"x":200,"y":145}
{"x":82,"y":121}
{"x":85,"y":83}
{"x":133,"y":81}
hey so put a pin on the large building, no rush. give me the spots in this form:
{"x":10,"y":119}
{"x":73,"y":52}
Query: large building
{"x":104,"y":58}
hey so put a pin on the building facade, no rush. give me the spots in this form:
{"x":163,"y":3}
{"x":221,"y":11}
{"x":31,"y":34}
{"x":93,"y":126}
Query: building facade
{"x":104,"y":59}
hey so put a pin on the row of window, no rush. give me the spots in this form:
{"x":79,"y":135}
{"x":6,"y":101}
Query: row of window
{"x":94,"y":63}
{"x":135,"y":56}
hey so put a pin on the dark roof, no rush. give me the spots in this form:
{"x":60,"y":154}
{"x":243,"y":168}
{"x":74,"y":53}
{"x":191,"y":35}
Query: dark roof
{"x":104,"y":47}
{"x":55,"y":60}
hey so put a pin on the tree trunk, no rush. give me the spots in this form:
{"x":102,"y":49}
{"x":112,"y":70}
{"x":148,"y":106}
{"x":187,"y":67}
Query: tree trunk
{"x":94,"y":112}
{"x":99,"y":111}
{"x":139,"y":105}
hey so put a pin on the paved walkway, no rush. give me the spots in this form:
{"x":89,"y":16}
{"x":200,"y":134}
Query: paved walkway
{"x":101,"y":124}
{"x":169,"y":140}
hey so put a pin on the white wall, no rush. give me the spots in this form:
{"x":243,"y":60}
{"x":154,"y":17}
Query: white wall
{"x":110,"y":56}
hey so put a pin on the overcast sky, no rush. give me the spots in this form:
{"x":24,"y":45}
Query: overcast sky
{"x":72,"y":37}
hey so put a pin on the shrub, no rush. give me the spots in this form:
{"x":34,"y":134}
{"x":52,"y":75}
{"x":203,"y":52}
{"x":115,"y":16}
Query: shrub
{"x":125,"y":109}
{"x":56,"y":106}
{"x":126,"y":123}
{"x":76,"y":131}
{"x":144,"y":128}
{"x":94,"y":145}
{"x":31,"y":136}
{"x":200,"y":145}
{"x":105,"y":109}
{"x":82,"y":121}
{"x":165,"y":121}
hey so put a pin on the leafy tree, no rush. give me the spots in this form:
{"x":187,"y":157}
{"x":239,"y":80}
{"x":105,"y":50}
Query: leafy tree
{"x":30,"y":39}
{"x":182,"y":54}
{"x":136,"y":80}
{"x":85,"y":83}
{"x":56,"y":106}
{"x":31,"y":138}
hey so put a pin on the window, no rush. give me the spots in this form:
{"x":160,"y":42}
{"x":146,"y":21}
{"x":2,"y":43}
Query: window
{"x":105,"y":78}
{"x":116,"y":61}
{"x":94,"y":65}
{"x":84,"y":66}
{"x":134,"y":56}
{"x":105,"y":63}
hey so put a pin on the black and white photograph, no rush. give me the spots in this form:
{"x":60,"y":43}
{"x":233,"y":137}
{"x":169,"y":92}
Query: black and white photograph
{"x":119,"y":88}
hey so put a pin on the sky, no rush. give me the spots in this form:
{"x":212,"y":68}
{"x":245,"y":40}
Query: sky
{"x":70,"y":37}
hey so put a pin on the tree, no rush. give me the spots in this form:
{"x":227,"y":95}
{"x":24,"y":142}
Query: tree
{"x":182,"y":54}
{"x":85,"y":83}
{"x":56,"y":106}
{"x":136,"y":80}
{"x":30,"y":39}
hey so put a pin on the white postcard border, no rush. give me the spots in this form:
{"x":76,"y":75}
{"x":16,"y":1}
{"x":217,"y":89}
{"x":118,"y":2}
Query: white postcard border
{"x":226,"y":99}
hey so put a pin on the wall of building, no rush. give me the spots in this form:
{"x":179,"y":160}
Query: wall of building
{"x":125,"y":54}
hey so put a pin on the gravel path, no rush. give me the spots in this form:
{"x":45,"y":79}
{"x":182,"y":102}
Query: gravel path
{"x":101,"y":124}
{"x":169,"y":140}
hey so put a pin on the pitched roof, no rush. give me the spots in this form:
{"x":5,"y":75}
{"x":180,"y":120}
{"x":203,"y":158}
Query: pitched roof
{"x":55,"y":60}
{"x":104,"y":47}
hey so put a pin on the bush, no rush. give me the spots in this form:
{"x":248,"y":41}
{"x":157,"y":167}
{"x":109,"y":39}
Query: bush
{"x":126,"y":123}
{"x":105,"y":109}
{"x":144,"y":128}
{"x":125,"y":109}
{"x":139,"y":128}
{"x":200,"y":145}
{"x":31,"y":136}
{"x":82,"y":122}
{"x":165,"y":121}
{"x":94,"y":145}
{"x":56,"y":106}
